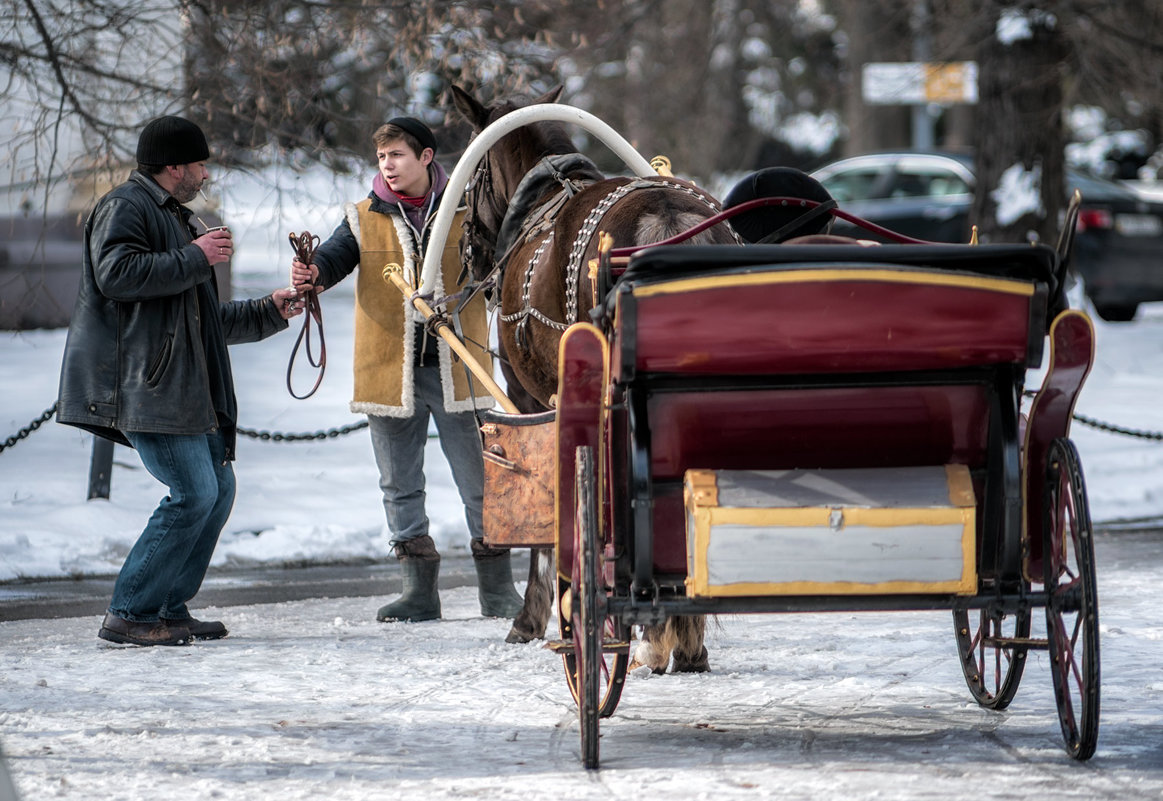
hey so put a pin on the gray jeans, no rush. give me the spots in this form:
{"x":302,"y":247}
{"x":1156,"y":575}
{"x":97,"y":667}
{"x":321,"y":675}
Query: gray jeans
{"x":398,"y":444}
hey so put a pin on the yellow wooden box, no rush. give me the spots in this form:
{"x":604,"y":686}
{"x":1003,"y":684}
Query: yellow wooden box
{"x":878,"y":531}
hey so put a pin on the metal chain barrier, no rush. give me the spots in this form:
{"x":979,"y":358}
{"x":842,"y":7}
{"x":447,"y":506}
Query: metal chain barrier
{"x":28,"y":429}
{"x":332,"y":433}
{"x":276,"y":436}
{"x":1113,"y":429}
{"x":1110,"y":428}
{"x":265,"y":436}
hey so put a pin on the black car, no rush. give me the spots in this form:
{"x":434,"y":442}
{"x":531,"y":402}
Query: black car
{"x":1118,"y":251}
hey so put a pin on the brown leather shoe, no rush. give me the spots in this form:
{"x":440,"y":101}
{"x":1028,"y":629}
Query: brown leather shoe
{"x":199,"y":629}
{"x":127,"y":632}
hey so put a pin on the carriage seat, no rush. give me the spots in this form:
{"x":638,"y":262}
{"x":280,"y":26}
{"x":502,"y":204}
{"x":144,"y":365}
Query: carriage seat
{"x":809,"y":308}
{"x":1036,"y":263}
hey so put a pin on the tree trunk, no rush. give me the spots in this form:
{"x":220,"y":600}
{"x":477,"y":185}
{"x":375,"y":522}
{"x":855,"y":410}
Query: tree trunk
{"x":1019,"y":123}
{"x":883,"y":36}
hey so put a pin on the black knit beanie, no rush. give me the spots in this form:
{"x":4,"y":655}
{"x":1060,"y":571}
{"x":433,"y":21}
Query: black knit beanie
{"x":418,"y":129}
{"x":171,"y":141}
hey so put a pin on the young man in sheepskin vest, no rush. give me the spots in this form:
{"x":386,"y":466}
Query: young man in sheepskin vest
{"x":404,"y":375}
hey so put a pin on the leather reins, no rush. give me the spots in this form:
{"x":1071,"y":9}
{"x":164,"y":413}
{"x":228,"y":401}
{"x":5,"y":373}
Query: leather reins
{"x":304,"y":245}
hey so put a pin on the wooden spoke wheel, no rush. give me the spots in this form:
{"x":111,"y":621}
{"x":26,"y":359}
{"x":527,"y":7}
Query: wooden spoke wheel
{"x":993,"y":653}
{"x":614,"y":654}
{"x":1072,"y":600}
{"x":585,"y":612}
{"x":612,"y":675}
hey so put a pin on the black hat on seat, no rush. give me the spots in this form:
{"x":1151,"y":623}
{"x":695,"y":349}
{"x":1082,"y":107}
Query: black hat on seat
{"x":765,"y":221}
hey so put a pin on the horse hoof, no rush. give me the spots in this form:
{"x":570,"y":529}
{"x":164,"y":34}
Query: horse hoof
{"x":645,"y":655}
{"x":636,"y":665}
{"x":515,"y":637}
{"x":698,"y":665}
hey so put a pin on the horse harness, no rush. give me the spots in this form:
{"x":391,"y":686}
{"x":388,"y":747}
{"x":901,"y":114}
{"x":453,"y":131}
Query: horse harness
{"x":540,"y":222}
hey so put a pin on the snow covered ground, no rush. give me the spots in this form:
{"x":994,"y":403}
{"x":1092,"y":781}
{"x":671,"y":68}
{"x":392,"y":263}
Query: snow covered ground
{"x":316,"y":700}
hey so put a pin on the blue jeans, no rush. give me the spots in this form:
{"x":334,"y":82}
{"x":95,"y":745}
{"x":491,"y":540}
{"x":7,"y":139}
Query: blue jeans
{"x":166,"y":565}
{"x":398,"y":444}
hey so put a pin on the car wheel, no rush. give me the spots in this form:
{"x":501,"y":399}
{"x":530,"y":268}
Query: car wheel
{"x":1116,"y":312}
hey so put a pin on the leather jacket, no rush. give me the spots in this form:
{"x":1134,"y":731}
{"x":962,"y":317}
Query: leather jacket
{"x":146,"y":349}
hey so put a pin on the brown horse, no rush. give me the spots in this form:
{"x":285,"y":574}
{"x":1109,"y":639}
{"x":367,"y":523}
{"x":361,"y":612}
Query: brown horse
{"x":535,"y":206}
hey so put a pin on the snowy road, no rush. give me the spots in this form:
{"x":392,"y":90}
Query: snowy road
{"x":315,"y":700}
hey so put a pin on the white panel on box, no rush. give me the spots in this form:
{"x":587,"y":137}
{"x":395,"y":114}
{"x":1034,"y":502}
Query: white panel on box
{"x":857,"y":531}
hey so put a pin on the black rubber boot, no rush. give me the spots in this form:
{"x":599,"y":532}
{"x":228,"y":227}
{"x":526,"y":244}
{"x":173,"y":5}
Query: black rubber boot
{"x":495,"y":588}
{"x":420,"y":567}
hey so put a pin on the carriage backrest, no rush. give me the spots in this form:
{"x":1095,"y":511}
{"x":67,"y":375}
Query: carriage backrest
{"x":830,"y":309}
{"x":825,"y":356}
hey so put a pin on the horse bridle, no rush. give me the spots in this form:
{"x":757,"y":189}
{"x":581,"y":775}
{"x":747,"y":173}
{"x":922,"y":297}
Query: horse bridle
{"x":478,"y":241}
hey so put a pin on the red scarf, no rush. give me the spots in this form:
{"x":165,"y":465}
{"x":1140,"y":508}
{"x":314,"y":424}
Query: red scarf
{"x":417,"y":201}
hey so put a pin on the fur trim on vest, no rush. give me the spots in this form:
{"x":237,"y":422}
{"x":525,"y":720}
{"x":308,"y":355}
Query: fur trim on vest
{"x":385,"y":320}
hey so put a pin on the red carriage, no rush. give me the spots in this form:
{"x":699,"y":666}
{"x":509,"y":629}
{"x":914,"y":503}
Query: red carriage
{"x":851,"y":439}
{"x":810,"y":427}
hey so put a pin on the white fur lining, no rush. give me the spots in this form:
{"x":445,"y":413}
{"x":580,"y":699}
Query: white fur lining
{"x":408,"y":378}
{"x":412,"y":318}
{"x":351,"y":214}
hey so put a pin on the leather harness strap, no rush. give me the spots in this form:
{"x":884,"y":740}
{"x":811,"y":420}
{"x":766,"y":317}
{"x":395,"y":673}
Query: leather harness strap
{"x":304,"y":245}
{"x":581,"y":242}
{"x":521,"y":217}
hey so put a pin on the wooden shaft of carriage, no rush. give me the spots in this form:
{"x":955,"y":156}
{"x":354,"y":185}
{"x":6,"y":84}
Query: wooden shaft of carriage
{"x":394,"y":274}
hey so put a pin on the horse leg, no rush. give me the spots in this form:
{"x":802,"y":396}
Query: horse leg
{"x":685,"y":634}
{"x":651,"y":650}
{"x":681,"y":636}
{"x":531,"y":621}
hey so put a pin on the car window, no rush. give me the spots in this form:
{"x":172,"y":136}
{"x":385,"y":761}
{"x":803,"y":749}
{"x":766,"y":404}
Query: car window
{"x":855,"y":184}
{"x":926,"y":182}
{"x":1094,"y":188}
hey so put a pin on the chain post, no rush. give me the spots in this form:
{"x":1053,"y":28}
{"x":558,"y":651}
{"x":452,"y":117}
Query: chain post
{"x":100,"y":468}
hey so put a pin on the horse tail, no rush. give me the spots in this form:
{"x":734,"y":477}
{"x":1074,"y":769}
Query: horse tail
{"x":655,"y":226}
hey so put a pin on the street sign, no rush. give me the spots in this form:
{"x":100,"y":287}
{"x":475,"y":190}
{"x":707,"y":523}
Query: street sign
{"x":918,"y":82}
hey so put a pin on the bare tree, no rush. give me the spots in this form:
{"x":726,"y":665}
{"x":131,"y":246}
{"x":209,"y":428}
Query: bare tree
{"x":712,"y":84}
{"x":1021,"y":74}
{"x":75,"y":78}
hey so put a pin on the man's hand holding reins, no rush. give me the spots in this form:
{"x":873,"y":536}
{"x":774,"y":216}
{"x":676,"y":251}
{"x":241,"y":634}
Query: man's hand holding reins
{"x":288,"y":302}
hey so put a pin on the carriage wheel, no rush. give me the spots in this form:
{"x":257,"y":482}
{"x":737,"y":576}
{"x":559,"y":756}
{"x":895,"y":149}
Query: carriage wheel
{"x":614,"y":666}
{"x":588,"y":605}
{"x":1072,"y":600}
{"x":615,"y":661}
{"x":990,"y":658}
{"x":614,"y":656}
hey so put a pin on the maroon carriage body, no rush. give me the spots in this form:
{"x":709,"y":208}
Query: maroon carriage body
{"x":814,"y":361}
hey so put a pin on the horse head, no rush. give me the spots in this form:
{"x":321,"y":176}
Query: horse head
{"x":499,"y":173}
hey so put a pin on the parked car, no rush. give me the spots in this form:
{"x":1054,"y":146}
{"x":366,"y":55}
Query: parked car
{"x":1118,"y":251}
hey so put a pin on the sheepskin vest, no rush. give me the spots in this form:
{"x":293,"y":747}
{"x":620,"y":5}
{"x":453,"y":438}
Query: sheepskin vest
{"x":386,"y":322}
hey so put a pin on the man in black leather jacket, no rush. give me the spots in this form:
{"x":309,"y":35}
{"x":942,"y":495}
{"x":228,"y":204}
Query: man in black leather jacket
{"x":145,"y":364}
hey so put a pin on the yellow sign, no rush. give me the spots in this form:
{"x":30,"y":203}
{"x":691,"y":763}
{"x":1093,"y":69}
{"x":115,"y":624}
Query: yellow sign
{"x":951,"y":83}
{"x":917,"y":82}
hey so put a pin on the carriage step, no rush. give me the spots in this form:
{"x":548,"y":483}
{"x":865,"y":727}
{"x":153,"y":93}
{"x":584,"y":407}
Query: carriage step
{"x":1017,"y":642}
{"x":607,"y":645}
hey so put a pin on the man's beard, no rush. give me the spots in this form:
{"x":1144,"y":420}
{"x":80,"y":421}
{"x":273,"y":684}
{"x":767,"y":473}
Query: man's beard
{"x":187,"y":188}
